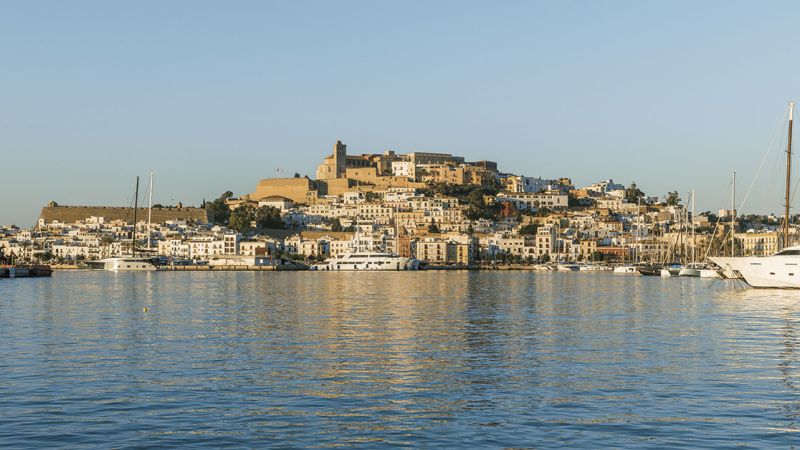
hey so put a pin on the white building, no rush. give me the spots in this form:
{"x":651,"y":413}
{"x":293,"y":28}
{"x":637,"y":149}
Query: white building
{"x":534,"y":201}
{"x":404,"y":169}
{"x":276,"y":201}
{"x":604,"y":187}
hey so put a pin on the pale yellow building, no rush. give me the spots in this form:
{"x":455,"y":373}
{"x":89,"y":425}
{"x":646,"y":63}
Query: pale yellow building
{"x":758,"y":244}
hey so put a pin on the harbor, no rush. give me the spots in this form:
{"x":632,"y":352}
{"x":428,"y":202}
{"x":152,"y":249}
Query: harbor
{"x":561,"y":359}
{"x":399,"y":225}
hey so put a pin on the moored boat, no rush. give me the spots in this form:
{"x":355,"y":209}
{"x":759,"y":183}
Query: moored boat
{"x":24,"y":271}
{"x":649,"y":270}
{"x":781,"y":270}
{"x":368,"y":261}
{"x":123,"y":264}
{"x":626,"y":270}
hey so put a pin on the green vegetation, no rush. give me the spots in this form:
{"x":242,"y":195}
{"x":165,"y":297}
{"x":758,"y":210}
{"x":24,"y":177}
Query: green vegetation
{"x":372,"y":197}
{"x":529,"y":230}
{"x":478,"y":208}
{"x":633,"y":194}
{"x":218,"y":211}
{"x":673,"y":199}
{"x":243,"y":217}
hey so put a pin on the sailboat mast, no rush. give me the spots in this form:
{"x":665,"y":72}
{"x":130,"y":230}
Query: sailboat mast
{"x":150,"y":210}
{"x":638,"y":227}
{"x":135,"y":207}
{"x":788,"y":177}
{"x":694,"y":237}
{"x":733,"y":211}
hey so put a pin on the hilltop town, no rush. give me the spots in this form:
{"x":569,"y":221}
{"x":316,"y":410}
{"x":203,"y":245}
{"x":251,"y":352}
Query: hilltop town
{"x":436,"y":207}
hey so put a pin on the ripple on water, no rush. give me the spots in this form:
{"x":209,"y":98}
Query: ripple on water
{"x":428,"y":359}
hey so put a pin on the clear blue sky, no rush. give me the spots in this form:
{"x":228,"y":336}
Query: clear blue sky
{"x":214,"y":96}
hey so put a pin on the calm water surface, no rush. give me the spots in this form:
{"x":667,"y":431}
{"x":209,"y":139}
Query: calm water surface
{"x":429,"y":359}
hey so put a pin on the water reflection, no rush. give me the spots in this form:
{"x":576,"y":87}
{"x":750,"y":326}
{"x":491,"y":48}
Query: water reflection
{"x":401,"y":359}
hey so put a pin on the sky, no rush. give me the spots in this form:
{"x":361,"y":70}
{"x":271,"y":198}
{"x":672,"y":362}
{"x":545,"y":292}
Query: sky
{"x":214,"y":96}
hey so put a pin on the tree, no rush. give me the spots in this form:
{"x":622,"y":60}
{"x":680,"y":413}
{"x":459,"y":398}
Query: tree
{"x":529,"y":230}
{"x":218,"y":211}
{"x":673,"y":198}
{"x":336,"y":225}
{"x":633,"y":194}
{"x":241,"y":218}
{"x":433,"y":227}
{"x":268,"y":217}
{"x":370,"y":196}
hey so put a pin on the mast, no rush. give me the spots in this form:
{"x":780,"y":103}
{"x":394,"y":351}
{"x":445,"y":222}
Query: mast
{"x":694,"y":237}
{"x":637,"y":260}
{"x":150,"y":210}
{"x":788,"y":177}
{"x":733,"y":211}
{"x":135,"y":207}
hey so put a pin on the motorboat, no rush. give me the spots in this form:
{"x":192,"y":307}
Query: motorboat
{"x":781,"y":270}
{"x":123,"y":264}
{"x":367,"y":260}
{"x":691,"y":270}
{"x":626,"y":270}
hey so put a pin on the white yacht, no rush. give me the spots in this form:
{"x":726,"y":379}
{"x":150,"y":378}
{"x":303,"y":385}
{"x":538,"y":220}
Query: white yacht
{"x":130,"y":263}
{"x":368,"y":260}
{"x":781,"y":270}
{"x":123,"y":264}
{"x":710,"y":273}
{"x":626,"y":270}
{"x":691,"y":270}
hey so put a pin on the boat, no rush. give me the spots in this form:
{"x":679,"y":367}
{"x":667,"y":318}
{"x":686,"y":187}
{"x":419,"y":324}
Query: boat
{"x":368,"y":261}
{"x":10,"y":268}
{"x":780,"y":270}
{"x":650,"y":270}
{"x":130,"y":263}
{"x":672,"y":270}
{"x":25,"y":271}
{"x":710,"y":273}
{"x":691,"y":270}
{"x":626,"y":270}
{"x":123,"y":264}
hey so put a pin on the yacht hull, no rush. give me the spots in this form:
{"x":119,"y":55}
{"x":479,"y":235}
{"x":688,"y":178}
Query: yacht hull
{"x":369,"y":262}
{"x":123,"y":265}
{"x":689,"y":272}
{"x":763,"y":272}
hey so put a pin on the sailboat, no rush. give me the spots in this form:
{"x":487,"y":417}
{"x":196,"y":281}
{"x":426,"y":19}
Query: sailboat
{"x":128,"y":263}
{"x":632,"y":269}
{"x":781,"y":270}
{"x":692,"y":269}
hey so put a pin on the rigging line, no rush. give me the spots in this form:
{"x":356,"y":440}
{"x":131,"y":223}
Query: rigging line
{"x":794,"y":191}
{"x":763,"y":159}
{"x":714,"y":233}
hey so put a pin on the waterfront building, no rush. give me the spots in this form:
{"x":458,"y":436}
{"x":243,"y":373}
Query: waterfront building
{"x":533,"y":201}
{"x":758,"y":244}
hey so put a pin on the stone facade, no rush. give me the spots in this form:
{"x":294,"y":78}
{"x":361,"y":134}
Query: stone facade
{"x":74,"y":214}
